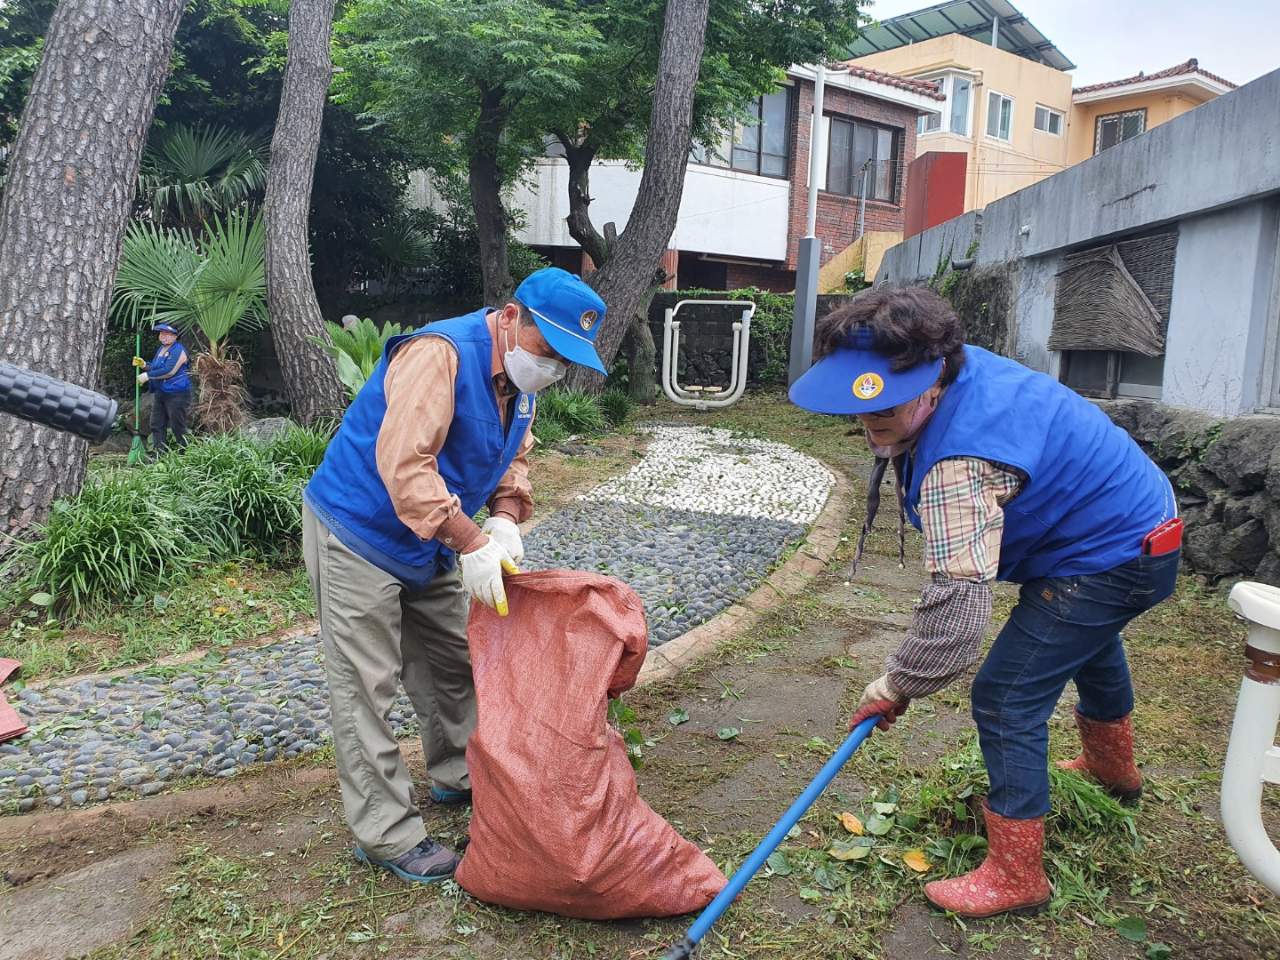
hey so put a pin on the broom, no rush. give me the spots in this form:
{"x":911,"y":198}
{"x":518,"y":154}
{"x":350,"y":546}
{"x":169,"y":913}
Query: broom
{"x":138,"y":448}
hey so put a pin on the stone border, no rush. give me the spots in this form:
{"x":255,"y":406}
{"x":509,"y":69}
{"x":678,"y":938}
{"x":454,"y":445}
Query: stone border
{"x":666,"y":661}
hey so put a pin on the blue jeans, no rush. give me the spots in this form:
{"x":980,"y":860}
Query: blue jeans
{"x":1063,"y":628}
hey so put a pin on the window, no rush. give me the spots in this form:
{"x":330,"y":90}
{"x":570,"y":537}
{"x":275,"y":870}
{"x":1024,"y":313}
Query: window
{"x":756,"y":147}
{"x":961,"y":87}
{"x":959,"y":92}
{"x":861,"y":151}
{"x":1113,"y":373}
{"x":1117,"y":127}
{"x":1048,"y":120}
{"x":929,"y":122}
{"x":999,"y":116}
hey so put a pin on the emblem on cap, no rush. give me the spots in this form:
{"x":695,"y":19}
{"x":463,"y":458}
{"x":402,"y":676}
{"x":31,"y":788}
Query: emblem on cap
{"x":523,"y":405}
{"x":868,"y":386}
{"x":588,"y":319}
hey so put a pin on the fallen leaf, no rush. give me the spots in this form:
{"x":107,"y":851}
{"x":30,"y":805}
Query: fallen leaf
{"x":848,"y":850}
{"x":809,"y":894}
{"x":677,"y":717}
{"x":1159,"y":951}
{"x":779,"y":863}
{"x":878,"y":826}
{"x":41,"y":599}
{"x":851,"y":823}
{"x":825,"y":879}
{"x":916,"y":860}
{"x":885,"y":808}
{"x":1132,"y":928}
{"x":728,"y":733}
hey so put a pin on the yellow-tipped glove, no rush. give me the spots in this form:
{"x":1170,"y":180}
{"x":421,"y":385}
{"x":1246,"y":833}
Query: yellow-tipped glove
{"x":482,"y":571}
{"x":139,"y":362}
{"x":507,"y":534}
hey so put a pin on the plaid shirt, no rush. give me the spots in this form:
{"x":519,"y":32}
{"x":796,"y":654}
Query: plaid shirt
{"x":962,"y":516}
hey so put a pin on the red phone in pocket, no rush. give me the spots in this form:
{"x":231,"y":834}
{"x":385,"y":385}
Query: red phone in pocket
{"x":1165,"y":538}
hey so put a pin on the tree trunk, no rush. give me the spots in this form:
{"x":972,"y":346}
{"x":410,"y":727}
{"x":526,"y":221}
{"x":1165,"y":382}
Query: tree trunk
{"x":623,"y":281}
{"x":485,"y":179}
{"x":579,"y":159}
{"x":309,"y":374}
{"x":642,"y":380}
{"x":73,"y":173}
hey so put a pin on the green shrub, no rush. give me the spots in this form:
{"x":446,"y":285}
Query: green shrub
{"x":573,"y":410}
{"x":357,"y":350}
{"x":121,"y":536}
{"x":258,"y":501}
{"x":616,"y":405}
{"x":299,"y":450}
{"x":549,"y":431}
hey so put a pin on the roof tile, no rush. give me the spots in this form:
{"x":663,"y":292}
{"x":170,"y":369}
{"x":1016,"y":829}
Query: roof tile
{"x":854,"y":69}
{"x":1188,"y":67}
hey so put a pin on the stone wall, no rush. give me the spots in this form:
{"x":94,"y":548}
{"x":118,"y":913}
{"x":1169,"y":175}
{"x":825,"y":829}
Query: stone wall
{"x":1227,"y":477}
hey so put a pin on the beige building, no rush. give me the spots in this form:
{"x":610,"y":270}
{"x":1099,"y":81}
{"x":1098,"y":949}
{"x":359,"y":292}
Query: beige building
{"x":1007,"y":113}
{"x":1010,"y":107}
{"x":1104,"y":114}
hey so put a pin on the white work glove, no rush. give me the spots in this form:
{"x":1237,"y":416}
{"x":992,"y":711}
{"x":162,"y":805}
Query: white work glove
{"x":507,"y":534}
{"x":482,"y":571}
{"x":143,"y":378}
{"x":880,"y":698}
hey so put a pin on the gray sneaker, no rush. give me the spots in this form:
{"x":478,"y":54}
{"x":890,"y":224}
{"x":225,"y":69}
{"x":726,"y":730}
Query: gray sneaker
{"x":425,"y":863}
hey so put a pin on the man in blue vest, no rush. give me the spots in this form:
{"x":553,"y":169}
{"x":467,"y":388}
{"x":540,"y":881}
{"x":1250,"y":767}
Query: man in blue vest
{"x":1010,"y":476}
{"x":440,"y":431}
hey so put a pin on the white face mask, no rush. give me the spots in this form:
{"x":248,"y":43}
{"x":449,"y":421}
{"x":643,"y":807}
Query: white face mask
{"x":529,"y":372}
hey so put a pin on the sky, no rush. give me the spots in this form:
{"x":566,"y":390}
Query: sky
{"x":1111,"y":39}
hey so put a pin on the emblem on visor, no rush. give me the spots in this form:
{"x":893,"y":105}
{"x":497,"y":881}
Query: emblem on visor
{"x":588,"y":320}
{"x":868,"y":386}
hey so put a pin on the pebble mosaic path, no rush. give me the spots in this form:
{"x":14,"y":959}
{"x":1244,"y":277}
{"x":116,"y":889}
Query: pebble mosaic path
{"x":696,"y":524}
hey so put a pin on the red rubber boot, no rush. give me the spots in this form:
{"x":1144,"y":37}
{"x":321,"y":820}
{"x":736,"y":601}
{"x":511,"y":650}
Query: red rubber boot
{"x":1108,"y":756}
{"x":1010,"y":880}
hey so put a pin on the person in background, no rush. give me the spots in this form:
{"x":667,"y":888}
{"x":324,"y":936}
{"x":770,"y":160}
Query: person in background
{"x":440,"y":430}
{"x":168,"y":377}
{"x":1010,"y":475}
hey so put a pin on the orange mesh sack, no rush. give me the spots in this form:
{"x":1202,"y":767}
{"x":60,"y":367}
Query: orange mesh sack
{"x":557,"y":823}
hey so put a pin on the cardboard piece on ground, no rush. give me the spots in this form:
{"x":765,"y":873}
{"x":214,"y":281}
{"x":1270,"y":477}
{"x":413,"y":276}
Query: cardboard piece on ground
{"x":11,"y":724}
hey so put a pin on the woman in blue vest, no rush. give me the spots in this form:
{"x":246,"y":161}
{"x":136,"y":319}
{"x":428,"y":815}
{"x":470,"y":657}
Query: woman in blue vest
{"x":1010,"y":476}
{"x":440,"y":430}
{"x":168,"y":378}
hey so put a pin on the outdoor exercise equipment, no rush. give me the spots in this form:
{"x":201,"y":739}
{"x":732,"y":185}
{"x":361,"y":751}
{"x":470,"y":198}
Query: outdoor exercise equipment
{"x":137,"y":446}
{"x":703,"y":397}
{"x":55,"y":403}
{"x":1253,"y":757}
{"x":684,"y":949}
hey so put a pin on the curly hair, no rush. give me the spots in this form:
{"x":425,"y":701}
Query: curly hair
{"x":910,"y":325}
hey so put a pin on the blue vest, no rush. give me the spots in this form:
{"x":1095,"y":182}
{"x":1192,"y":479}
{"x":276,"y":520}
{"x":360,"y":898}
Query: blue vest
{"x":161,"y":365}
{"x":1090,"y":493}
{"x":347,"y":494}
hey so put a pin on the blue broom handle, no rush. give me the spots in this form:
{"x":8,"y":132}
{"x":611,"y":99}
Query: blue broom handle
{"x":780,"y":830}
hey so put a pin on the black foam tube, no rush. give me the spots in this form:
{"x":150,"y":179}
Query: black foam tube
{"x":55,"y":403}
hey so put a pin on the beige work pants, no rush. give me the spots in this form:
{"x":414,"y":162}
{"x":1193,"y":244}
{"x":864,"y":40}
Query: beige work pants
{"x":378,"y":633}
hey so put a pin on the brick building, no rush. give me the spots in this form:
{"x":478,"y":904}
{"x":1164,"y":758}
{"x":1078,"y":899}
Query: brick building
{"x":743,"y":210}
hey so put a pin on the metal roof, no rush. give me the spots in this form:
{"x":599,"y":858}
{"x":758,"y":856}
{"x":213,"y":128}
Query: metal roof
{"x":970,"y":18}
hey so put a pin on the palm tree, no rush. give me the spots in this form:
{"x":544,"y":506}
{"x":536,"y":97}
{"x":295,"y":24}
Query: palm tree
{"x":192,"y":172}
{"x":211,"y":284}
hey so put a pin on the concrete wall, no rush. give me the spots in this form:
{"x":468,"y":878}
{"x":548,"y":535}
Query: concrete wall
{"x":724,"y":212}
{"x":1214,"y":174}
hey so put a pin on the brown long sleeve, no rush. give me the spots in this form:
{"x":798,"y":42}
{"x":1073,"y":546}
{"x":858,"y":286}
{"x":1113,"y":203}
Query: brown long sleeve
{"x":419,"y":388}
{"x":514,"y":496}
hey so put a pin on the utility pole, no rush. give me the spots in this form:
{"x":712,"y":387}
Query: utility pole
{"x":810,"y":254}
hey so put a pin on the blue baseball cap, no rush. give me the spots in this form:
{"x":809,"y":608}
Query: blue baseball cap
{"x":856,"y":379}
{"x":568,"y":314}
{"x":164,"y":328}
